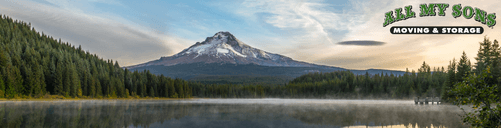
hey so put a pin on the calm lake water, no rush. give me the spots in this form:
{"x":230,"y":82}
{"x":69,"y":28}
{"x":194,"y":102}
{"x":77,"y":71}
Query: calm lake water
{"x":231,"y":113}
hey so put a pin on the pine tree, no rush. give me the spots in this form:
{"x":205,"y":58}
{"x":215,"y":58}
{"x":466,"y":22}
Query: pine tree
{"x":75,"y":87}
{"x":172,"y":89}
{"x":463,"y":68}
{"x":38,"y":80}
{"x":2,"y":85}
{"x":450,"y":81}
{"x":484,"y":55}
{"x":14,"y":82}
{"x":50,"y":76}
{"x":187,"y":90}
{"x":496,"y":61}
{"x":152,"y":93}
{"x":28,"y":80}
{"x":68,"y":81}
{"x":58,"y":79}
{"x":179,"y":88}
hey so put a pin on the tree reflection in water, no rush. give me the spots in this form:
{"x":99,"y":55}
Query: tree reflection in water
{"x":134,"y":113}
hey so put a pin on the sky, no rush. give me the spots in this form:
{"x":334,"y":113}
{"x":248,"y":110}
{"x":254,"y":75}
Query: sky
{"x":347,"y":34}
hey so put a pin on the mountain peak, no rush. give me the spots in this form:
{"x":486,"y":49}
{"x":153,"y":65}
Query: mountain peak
{"x":224,"y":37}
{"x":222,"y":34}
{"x":221,"y":44}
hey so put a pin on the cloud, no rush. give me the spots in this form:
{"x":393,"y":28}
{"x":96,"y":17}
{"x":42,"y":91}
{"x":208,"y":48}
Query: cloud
{"x":109,"y":38}
{"x":307,"y":19}
{"x":362,"y":43}
{"x":307,"y":27}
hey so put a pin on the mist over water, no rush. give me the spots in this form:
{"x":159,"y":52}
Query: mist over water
{"x":296,"y":101}
{"x":228,"y":113}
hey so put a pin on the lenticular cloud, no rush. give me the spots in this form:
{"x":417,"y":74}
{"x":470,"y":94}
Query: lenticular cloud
{"x":362,"y":43}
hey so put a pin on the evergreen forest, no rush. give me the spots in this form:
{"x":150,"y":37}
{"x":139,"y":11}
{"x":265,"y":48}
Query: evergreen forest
{"x":33,"y":64}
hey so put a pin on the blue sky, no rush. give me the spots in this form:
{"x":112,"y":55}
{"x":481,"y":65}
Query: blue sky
{"x":196,"y":20}
{"x":134,"y":32}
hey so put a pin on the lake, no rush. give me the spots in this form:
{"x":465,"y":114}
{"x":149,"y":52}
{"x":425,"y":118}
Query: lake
{"x":231,"y":113}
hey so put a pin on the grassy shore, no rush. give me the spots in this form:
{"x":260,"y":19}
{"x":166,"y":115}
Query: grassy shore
{"x":57,"y":98}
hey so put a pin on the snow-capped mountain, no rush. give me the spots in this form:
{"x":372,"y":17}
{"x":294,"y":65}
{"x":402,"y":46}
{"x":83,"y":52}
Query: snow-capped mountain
{"x":225,"y":55}
{"x":223,"y":47}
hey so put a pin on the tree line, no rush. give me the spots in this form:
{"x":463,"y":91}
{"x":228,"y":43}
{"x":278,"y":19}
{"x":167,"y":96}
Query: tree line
{"x":426,"y":82}
{"x":33,"y":64}
{"x":339,"y":84}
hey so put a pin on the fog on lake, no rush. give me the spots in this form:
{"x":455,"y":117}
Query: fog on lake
{"x":260,"y":113}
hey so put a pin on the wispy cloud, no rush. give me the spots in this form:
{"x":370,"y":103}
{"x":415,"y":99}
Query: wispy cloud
{"x":111,"y":2}
{"x":313,"y":19}
{"x":313,"y":27}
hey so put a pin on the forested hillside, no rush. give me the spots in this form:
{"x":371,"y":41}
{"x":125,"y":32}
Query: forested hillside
{"x":33,"y":64}
{"x":242,"y":79}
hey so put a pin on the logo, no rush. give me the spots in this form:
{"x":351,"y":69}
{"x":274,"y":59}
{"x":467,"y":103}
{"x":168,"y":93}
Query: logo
{"x":433,"y":9}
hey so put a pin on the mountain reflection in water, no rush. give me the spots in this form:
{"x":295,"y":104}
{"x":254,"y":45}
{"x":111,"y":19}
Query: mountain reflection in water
{"x":227,"y":113}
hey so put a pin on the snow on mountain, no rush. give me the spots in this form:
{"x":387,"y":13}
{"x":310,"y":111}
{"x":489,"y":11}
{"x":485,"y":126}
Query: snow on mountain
{"x":223,"y":47}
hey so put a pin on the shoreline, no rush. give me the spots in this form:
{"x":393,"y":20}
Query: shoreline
{"x":103,"y":99}
{"x":195,"y":98}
